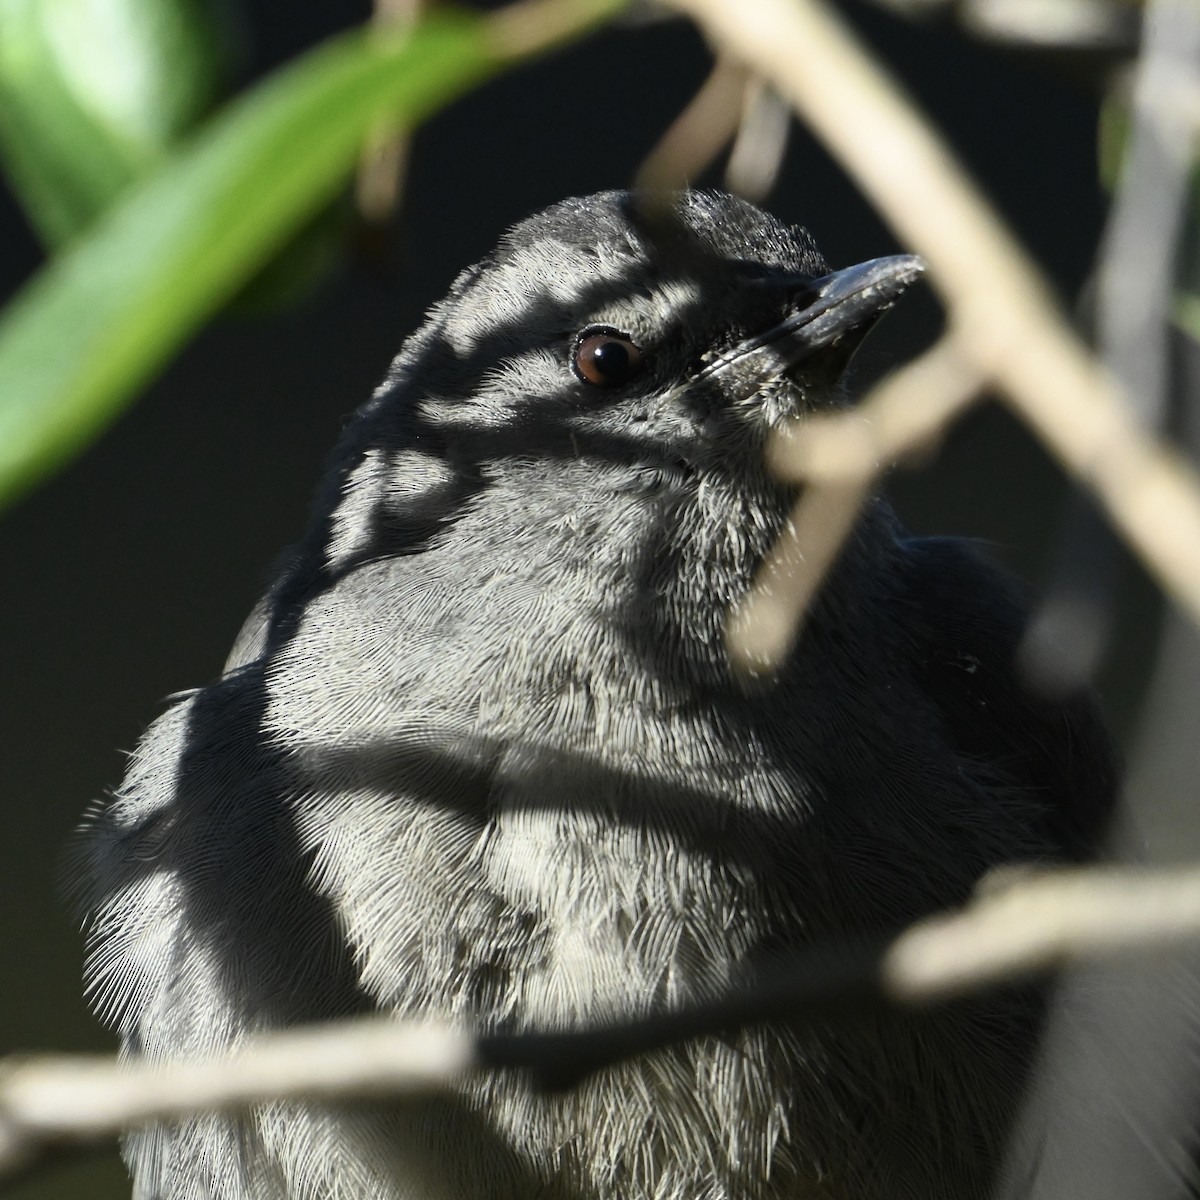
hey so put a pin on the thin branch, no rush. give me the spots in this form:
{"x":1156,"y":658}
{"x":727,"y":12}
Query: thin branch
{"x":1044,"y":920}
{"x":50,"y":1100}
{"x":999,"y":304}
{"x":379,"y":183}
{"x":1036,"y":921}
{"x":380,"y":179}
{"x":839,"y":458}
{"x":697,"y":135}
{"x":1138,"y":253}
{"x":730,"y":106}
{"x":1082,"y":27}
{"x":759,"y":148}
{"x":906,"y":413}
{"x":1065,"y":25}
{"x":764,"y":625}
{"x":524,"y":27}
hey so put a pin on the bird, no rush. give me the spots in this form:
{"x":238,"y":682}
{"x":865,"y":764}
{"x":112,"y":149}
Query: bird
{"x":479,"y":754}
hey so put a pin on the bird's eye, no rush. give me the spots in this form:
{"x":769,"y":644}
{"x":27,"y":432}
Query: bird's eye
{"x":605,"y":358}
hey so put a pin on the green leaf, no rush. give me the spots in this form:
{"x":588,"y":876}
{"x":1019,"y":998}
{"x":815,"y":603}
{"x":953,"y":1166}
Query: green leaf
{"x":101,"y":319}
{"x":1112,"y":136}
{"x":94,"y":93}
{"x":1187,"y":314}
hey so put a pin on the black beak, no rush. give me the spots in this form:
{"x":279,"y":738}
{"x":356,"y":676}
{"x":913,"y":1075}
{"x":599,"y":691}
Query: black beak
{"x":831,"y":311}
{"x":848,"y":302}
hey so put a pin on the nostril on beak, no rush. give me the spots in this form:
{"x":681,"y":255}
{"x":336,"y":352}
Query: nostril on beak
{"x":801,"y":298}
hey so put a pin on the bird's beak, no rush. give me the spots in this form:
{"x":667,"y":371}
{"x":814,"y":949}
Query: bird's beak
{"x":838,"y":310}
{"x":831,"y":313}
{"x":841,"y":307}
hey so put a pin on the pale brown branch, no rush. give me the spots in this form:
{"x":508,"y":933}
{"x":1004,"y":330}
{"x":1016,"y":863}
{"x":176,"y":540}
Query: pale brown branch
{"x":43,"y":1101}
{"x":1036,"y":921}
{"x":524,"y":27}
{"x":764,"y":625}
{"x":731,"y":106}
{"x":1042,"y":920}
{"x":1082,"y":26}
{"x":379,"y":182}
{"x":839,"y":457}
{"x":758,"y":149}
{"x":697,"y":135}
{"x":906,"y":412}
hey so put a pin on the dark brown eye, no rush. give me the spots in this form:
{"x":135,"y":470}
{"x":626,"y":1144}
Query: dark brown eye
{"x":606,"y":358}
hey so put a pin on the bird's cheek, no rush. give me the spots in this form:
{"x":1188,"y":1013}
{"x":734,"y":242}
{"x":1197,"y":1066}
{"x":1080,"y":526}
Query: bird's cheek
{"x":647,"y":480}
{"x":763,"y":403}
{"x":642,"y":482}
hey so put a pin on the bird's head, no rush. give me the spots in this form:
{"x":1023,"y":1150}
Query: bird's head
{"x":673,"y":341}
{"x":610,"y":375}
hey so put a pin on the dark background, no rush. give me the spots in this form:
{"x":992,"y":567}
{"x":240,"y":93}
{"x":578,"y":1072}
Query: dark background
{"x":126,"y":577}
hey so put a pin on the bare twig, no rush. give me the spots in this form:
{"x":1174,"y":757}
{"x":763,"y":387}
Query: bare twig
{"x":1138,"y":253}
{"x":840,"y":457}
{"x":764,"y":625}
{"x":908,"y":412}
{"x":380,"y":179}
{"x":732,"y":105}
{"x":1087,"y":25}
{"x":1042,"y":920}
{"x":524,"y":27}
{"x":761,"y":143}
{"x":1000,"y":307}
{"x":1038,"y":921}
{"x":697,"y":135}
{"x":1084,"y":26}
{"x":79,"y":1099}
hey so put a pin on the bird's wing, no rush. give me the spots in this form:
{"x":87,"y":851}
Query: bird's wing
{"x":967,"y":620}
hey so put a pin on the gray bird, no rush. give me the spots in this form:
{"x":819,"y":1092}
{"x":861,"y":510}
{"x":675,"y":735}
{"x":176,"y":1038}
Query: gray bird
{"x":479,"y":754}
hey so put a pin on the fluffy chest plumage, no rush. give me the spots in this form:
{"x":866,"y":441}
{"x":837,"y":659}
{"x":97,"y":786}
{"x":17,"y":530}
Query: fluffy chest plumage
{"x":534,"y":844}
{"x":547,"y":848}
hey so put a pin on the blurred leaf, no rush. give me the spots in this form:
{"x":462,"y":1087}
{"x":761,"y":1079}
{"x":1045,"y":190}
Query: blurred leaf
{"x":1112,"y":135}
{"x":1187,"y":314}
{"x":299,"y":267}
{"x":94,"y":94}
{"x":99,"y":320}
